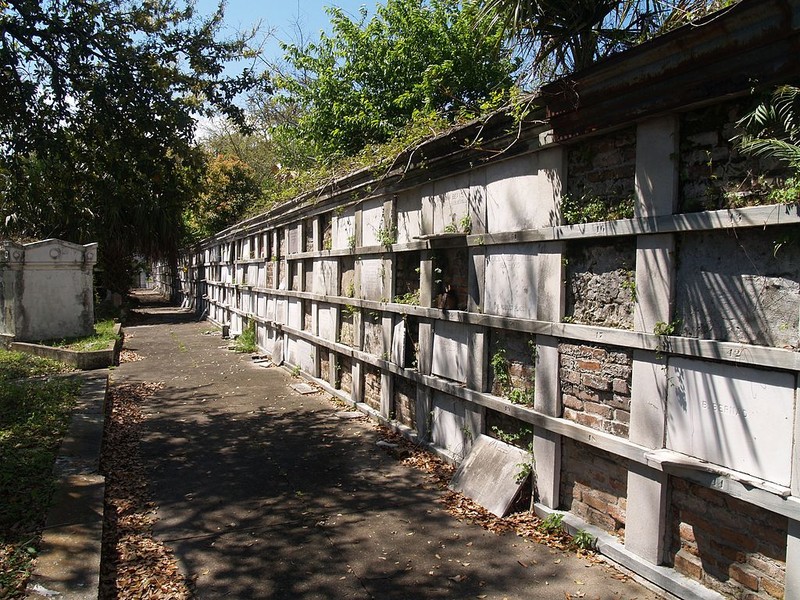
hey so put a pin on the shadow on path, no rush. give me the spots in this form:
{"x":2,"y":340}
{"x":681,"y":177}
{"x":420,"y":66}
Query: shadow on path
{"x":151,"y":307}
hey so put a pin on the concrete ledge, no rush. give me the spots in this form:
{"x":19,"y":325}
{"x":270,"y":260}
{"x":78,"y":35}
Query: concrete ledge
{"x":85,"y":361}
{"x":664,"y":578}
{"x":69,"y":562}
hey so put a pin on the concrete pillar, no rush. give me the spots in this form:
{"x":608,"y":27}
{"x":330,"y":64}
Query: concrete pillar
{"x":317,"y":234}
{"x":547,"y":399}
{"x":551,"y":181}
{"x":793,"y":561}
{"x":357,"y":390}
{"x":426,"y":218}
{"x":387,"y":393}
{"x":476,"y":279}
{"x":424,"y":409}
{"x":550,"y":300}
{"x":478,"y":374}
{"x":656,"y":194}
{"x":656,"y":179}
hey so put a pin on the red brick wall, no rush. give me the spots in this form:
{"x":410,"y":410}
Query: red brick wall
{"x":596,"y":386}
{"x":405,"y":401}
{"x":728,"y":545}
{"x":372,"y":386}
{"x":594,"y":486}
{"x":519,"y":355}
{"x":324,"y":364}
{"x":345,"y":373}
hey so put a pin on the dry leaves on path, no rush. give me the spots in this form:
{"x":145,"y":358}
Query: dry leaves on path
{"x":524,"y":524}
{"x":135,"y":565}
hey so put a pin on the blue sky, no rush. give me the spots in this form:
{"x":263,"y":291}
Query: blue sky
{"x":280,"y":17}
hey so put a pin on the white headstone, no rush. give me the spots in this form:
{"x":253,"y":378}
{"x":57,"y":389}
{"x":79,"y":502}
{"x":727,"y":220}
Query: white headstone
{"x":326,"y":276}
{"x":451,"y":351}
{"x":409,"y":213}
{"x":399,"y":343}
{"x":511,"y":281}
{"x":737,"y":417}
{"x":295,"y":313}
{"x":371,"y":278}
{"x":453,"y":426}
{"x":511,"y":197}
{"x":326,"y":325}
{"x":344,"y":227}
{"x":372,"y":221}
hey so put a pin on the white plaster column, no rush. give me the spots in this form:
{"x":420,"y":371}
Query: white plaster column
{"x":656,"y":194}
{"x":547,"y":399}
{"x":792,"y":582}
{"x":550,"y":299}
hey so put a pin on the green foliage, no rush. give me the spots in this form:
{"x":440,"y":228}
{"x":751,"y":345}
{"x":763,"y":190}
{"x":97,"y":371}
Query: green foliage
{"x":773,"y":127}
{"x":97,"y":126}
{"x":34,"y":416}
{"x":386,"y":234}
{"x":584,"y":540}
{"x":103,"y":336}
{"x":227,"y":189}
{"x":561,"y":36}
{"x":522,"y":438}
{"x":591,"y":209}
{"x":246,"y":342}
{"x":411,"y":298}
{"x":501,"y":369}
{"x":664,"y":328}
{"x":500,"y":364}
{"x":364,"y":81}
{"x":788,"y":193}
{"x":18,"y":365}
{"x":552,"y":523}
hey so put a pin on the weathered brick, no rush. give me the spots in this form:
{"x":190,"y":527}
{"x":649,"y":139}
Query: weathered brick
{"x":686,"y":532}
{"x":623,"y":416}
{"x":598,"y":500}
{"x":598,"y":409}
{"x":589,"y":365}
{"x":618,"y":429}
{"x":588,"y":395}
{"x":688,"y":565}
{"x":597,"y":383}
{"x":572,"y":402}
{"x":589,"y":420}
{"x":770,"y":567}
{"x":772,"y":587}
{"x":620,"y":386}
{"x":573,"y":377}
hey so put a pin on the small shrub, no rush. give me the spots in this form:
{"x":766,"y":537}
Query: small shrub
{"x":246,"y":342}
{"x":552,"y":523}
{"x":584,"y":540}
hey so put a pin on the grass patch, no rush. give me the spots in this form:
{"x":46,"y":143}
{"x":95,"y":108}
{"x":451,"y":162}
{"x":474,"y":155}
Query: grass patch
{"x":18,"y":365}
{"x":246,"y":342}
{"x":103,"y":336}
{"x":34,"y":415}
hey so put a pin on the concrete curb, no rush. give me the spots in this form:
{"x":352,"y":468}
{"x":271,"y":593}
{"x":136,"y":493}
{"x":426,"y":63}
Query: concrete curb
{"x":69,"y":563}
{"x":85,"y":361}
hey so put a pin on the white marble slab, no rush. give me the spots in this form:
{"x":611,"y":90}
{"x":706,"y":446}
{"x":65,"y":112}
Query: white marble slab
{"x":295,"y":318}
{"x":344,"y":226}
{"x":409,"y":216}
{"x":371,"y":221}
{"x":371,"y":279}
{"x":451,"y":351}
{"x":511,"y":195}
{"x":326,"y":276}
{"x":511,"y":286}
{"x":737,"y":417}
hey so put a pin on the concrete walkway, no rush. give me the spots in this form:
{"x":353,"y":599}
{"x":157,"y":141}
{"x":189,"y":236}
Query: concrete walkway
{"x":265,"y":493}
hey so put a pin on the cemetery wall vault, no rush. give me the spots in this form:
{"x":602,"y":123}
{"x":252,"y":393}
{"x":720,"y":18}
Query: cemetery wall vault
{"x":651,"y":346}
